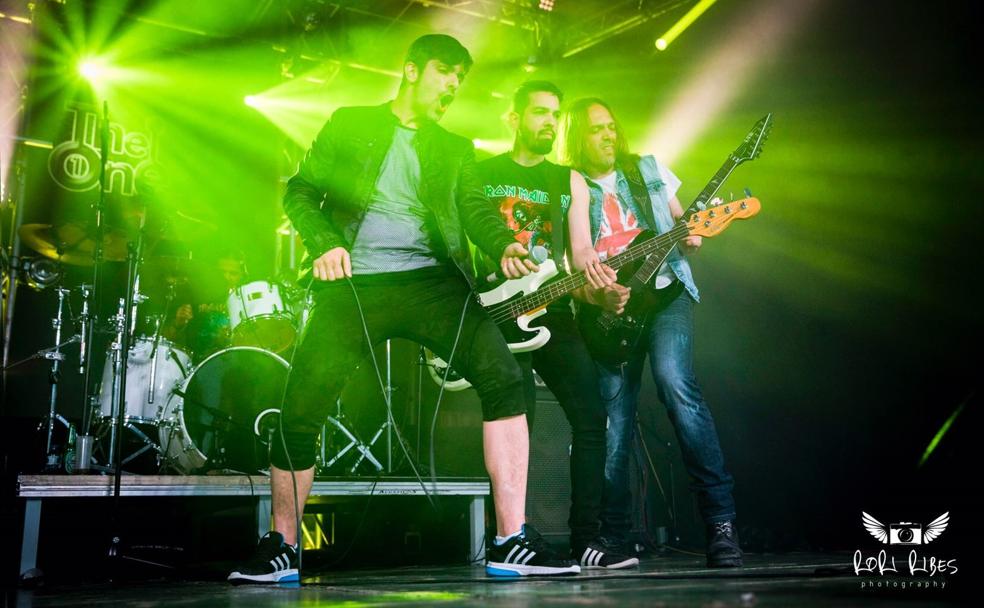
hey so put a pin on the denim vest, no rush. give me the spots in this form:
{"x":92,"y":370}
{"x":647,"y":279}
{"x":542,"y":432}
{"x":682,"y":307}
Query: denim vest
{"x":676,"y":261}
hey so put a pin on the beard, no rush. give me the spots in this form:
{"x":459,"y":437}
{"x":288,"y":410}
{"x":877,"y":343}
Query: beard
{"x":538,"y":145}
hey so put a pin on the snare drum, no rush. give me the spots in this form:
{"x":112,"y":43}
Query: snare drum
{"x":150,"y":377}
{"x":258,"y":317}
{"x":224,"y":411}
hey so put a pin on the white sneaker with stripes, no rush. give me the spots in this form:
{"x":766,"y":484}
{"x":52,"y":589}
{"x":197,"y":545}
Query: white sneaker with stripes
{"x":527,"y":554}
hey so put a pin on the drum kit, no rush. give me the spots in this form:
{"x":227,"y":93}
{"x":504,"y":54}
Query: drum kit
{"x":208,"y":401}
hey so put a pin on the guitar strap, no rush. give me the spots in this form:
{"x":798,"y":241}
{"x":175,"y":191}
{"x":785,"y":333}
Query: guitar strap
{"x":640,"y":194}
{"x":558,"y":214}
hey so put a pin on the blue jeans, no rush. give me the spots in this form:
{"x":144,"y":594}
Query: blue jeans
{"x":670,"y":338}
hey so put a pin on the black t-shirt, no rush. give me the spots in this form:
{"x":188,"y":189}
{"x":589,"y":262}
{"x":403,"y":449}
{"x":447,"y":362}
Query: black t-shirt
{"x":524,"y":196}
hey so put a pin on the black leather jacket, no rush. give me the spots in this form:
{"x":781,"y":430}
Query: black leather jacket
{"x":327,"y":198}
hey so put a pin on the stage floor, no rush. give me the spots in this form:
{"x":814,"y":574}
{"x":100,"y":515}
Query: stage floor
{"x":798,"y":579}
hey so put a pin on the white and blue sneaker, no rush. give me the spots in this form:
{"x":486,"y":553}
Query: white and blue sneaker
{"x":273,"y":562}
{"x":527,"y":554}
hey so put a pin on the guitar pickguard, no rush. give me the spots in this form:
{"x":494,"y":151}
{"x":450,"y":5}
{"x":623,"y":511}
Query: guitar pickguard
{"x":517,"y":331}
{"x":522,"y":286}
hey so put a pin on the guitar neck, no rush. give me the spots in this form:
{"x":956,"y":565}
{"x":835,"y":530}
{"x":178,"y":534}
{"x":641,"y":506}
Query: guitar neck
{"x":557,"y":289}
{"x":647,"y":270}
{"x":712,"y":187}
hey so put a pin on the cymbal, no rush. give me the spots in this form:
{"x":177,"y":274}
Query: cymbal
{"x":201,"y":223}
{"x":71,"y":243}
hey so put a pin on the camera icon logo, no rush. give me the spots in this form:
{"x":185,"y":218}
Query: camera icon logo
{"x":905,"y":532}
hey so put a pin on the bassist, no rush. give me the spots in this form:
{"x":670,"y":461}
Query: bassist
{"x":546,"y":206}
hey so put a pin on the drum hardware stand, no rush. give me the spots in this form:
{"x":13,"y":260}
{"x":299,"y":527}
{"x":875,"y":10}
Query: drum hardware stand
{"x":365,"y":449}
{"x":126,"y":320}
{"x":148,"y":444}
{"x":85,"y":324}
{"x":158,"y":324}
{"x":56,"y":357}
{"x":118,"y":398}
{"x":387,"y":425}
{"x":84,"y":439}
{"x":338,"y":421}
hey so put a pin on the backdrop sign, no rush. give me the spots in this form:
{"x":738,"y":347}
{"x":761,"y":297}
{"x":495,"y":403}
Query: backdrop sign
{"x":74,"y":160}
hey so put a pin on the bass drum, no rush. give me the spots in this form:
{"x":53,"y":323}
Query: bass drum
{"x":225,"y":411}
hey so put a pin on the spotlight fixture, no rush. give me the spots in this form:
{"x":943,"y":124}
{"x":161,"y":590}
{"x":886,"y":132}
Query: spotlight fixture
{"x":696,"y":11}
{"x":546,"y":5}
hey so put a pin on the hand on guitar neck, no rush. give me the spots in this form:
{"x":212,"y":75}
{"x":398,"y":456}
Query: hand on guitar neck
{"x":598,"y":274}
{"x":691,"y":245}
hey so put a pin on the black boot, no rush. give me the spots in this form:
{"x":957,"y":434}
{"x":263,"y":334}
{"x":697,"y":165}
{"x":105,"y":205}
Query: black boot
{"x":722,"y":546}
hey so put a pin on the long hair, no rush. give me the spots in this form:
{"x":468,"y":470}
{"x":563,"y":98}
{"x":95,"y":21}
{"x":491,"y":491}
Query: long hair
{"x":574,"y":130}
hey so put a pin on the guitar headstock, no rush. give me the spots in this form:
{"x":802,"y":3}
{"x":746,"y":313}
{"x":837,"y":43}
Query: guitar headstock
{"x":751,"y":147}
{"x":715,"y":218}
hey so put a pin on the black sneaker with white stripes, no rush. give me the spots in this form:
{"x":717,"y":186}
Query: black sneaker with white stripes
{"x":527,"y":554}
{"x":273,"y":562}
{"x":602,"y":555}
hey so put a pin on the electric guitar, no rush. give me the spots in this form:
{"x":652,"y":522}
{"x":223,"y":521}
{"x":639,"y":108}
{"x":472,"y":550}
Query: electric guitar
{"x":515,"y":303}
{"x":614,"y":338}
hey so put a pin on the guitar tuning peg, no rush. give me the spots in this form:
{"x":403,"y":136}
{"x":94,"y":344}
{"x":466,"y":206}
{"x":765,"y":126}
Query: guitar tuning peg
{"x":748,"y":193}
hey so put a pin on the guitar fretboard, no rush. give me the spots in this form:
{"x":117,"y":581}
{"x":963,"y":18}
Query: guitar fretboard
{"x":549,"y":293}
{"x":647,"y":270}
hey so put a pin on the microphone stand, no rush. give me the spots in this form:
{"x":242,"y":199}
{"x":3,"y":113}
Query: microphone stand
{"x":125,"y":330}
{"x":127,"y":322}
{"x":83,"y":448}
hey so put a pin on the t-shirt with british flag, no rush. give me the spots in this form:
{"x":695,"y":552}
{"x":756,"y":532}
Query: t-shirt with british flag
{"x":620,"y":224}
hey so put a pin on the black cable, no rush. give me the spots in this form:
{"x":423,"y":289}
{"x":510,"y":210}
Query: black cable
{"x":386,"y":395}
{"x":444,"y":381}
{"x":481,"y":548}
{"x":362,"y":520}
{"x":283,"y":441}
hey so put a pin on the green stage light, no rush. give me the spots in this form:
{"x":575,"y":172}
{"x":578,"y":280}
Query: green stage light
{"x":92,"y":69}
{"x":252,"y":101}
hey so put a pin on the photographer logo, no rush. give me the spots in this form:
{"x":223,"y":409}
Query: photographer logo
{"x":905,"y":533}
{"x":918,"y":570}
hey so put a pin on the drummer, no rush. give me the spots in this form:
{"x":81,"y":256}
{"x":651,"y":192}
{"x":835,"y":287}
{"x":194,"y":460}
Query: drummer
{"x":200,"y":321}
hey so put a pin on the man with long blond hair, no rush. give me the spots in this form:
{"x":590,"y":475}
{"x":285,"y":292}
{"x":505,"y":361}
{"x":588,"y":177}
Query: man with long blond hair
{"x":595,"y":144}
